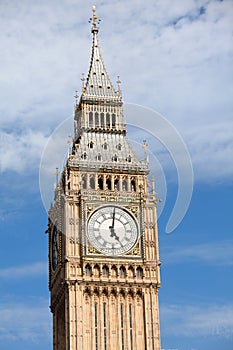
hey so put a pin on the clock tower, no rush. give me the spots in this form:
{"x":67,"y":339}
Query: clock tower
{"x":104,"y":267}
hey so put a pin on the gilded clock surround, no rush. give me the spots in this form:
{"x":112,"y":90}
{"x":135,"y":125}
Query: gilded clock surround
{"x":102,"y":301}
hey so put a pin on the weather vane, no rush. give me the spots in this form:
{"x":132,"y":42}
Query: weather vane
{"x":94,"y":19}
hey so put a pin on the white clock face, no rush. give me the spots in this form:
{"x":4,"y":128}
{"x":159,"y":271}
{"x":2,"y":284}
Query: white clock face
{"x":112,"y":230}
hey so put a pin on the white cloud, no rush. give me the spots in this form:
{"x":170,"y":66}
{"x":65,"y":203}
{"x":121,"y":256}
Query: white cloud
{"x":174,"y":56}
{"x":211,"y":150}
{"x":197,"y":320}
{"x":25,"y":322}
{"x":34,"y":269}
{"x":214,"y":253}
{"x":21,"y":152}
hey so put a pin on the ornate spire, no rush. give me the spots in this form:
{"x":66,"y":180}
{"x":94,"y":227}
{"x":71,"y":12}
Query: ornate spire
{"x":94,"y":20}
{"x":98,"y":84}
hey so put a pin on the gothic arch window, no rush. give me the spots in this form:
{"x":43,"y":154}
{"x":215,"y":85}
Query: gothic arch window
{"x":124,"y":185}
{"x":105,"y":270}
{"x":88,"y":270}
{"x":114,"y":159}
{"x":92,"y":182}
{"x":96,"y":325}
{"x":122,"y":323}
{"x":102,"y":120}
{"x":99,"y":157}
{"x":119,"y":146}
{"x":105,"y":145}
{"x":108,"y":183}
{"x":113,"y":120}
{"x":139,"y":272}
{"x":122,"y":271}
{"x":116,"y":184}
{"x":84,"y":181}
{"x":133,"y":185}
{"x":108,"y":120}
{"x":96,"y":119}
{"x":129,"y":158}
{"x":90,"y":119}
{"x":100,"y":183}
{"x":105,"y":325}
{"x":91,"y":144}
{"x":131,"y":326}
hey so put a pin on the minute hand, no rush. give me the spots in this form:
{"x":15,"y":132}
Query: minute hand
{"x":113,"y":218}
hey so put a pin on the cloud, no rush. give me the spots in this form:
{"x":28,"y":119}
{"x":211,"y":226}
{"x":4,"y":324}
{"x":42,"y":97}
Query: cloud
{"x":211,"y":156}
{"x":25,"y":322}
{"x":182,"y":68}
{"x":30,"y":270}
{"x":21,"y":152}
{"x":197,"y":320}
{"x":214,"y":253}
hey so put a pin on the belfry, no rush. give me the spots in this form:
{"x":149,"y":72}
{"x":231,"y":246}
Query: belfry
{"x":104,"y":266}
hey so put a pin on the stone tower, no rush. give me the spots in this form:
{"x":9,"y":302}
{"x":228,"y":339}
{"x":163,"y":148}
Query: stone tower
{"x":104,"y":267}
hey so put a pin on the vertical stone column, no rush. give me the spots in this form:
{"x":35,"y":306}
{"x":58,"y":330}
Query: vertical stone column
{"x":96,"y":181}
{"x":112,"y":183}
{"x":104,"y":182}
{"x":120,"y":183}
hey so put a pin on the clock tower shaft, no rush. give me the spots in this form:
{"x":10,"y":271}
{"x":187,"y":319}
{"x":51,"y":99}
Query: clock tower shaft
{"x":104,"y":266}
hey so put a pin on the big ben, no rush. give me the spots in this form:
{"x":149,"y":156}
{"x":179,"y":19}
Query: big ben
{"x":104,"y":266}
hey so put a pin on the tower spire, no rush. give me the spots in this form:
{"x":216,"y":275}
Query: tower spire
{"x":98,"y":84}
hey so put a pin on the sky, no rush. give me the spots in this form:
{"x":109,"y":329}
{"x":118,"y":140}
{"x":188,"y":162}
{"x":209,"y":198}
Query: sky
{"x":174,"y":59}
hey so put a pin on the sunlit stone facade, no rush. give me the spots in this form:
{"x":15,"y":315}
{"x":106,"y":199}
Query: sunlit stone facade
{"x":104,"y":267}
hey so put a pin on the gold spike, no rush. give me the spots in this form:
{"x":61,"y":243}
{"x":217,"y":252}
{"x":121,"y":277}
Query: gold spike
{"x":119,"y":83}
{"x":94,"y":19}
{"x":76,"y":97}
{"x":57,"y":174}
{"x":83,"y":82}
{"x":145,"y":146}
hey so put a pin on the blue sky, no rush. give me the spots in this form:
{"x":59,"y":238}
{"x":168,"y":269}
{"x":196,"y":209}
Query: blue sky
{"x":174,"y":57}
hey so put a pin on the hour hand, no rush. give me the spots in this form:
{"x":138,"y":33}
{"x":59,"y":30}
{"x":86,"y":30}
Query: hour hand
{"x":113,"y":233}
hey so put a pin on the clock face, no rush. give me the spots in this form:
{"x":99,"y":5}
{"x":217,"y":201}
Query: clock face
{"x":55,"y":247}
{"x":112,"y":230}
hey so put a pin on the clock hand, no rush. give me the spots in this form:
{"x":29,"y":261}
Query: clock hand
{"x":113,"y":234}
{"x":113,"y":218}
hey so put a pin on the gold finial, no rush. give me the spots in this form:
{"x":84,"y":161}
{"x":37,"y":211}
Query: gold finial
{"x":153,"y":183}
{"x":94,"y":19}
{"x":57,"y":174}
{"x":119,"y":83}
{"x":76,"y":97}
{"x":145,"y":146}
{"x":83,"y":81}
{"x":69,"y":141}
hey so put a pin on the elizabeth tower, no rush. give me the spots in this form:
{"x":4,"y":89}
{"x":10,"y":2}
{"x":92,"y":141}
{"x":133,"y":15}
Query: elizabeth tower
{"x":104,"y":267}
